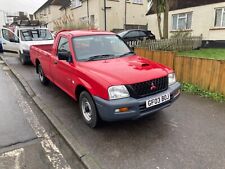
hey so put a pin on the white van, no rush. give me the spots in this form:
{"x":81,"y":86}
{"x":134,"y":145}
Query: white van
{"x":20,"y":40}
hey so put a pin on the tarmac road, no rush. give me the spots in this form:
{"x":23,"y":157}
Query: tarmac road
{"x":187,"y":135}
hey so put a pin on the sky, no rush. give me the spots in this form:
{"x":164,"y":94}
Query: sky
{"x":29,"y":6}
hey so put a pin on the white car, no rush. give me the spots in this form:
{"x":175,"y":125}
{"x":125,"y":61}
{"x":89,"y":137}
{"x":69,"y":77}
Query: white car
{"x":20,"y":40}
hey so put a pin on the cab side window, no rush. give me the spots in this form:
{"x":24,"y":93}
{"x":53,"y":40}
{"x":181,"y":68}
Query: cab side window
{"x":9,"y":36}
{"x":63,"y":51}
{"x":63,"y":45}
{"x":5,"y":34}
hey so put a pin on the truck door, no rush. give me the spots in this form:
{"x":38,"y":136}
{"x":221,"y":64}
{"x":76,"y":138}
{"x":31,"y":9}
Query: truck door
{"x":10,"y":42}
{"x":62,"y":70}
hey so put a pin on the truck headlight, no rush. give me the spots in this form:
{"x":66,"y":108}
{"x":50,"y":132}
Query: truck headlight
{"x":171,"y":78}
{"x":118,"y":92}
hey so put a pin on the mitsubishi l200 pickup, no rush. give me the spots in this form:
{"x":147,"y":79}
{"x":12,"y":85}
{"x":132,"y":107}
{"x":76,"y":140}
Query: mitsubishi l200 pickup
{"x":105,"y":76}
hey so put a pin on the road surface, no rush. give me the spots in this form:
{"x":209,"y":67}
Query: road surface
{"x":188,"y":135}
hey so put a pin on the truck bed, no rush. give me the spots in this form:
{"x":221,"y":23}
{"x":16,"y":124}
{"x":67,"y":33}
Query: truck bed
{"x":46,"y":48}
{"x":37,"y":51}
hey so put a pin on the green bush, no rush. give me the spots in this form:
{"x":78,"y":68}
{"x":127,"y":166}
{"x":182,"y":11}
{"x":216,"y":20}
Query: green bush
{"x":194,"y":89}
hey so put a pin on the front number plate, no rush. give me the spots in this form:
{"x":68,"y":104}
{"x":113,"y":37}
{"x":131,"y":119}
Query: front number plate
{"x":157,"y":100}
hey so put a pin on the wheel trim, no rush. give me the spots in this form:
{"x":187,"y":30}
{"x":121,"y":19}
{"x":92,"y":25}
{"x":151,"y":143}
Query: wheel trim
{"x":86,"y":109}
{"x":41,"y":76}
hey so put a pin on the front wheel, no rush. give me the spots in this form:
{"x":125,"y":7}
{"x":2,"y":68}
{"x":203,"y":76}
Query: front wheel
{"x":22,"y":59}
{"x":88,"y":109}
{"x":44,"y":80}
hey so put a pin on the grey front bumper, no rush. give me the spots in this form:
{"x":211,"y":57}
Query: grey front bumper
{"x":137,"y":107}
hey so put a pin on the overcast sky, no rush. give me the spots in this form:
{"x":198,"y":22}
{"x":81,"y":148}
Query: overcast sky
{"x":29,"y":6}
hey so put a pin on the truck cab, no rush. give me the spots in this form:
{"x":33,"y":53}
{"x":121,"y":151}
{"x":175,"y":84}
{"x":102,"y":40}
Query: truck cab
{"x":18,"y":39}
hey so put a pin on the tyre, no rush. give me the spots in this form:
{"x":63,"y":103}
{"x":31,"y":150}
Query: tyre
{"x":44,"y":80}
{"x":22,"y":59}
{"x":88,"y":109}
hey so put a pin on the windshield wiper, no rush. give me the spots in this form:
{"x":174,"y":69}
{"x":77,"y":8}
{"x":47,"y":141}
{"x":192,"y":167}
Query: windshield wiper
{"x":99,"y":57}
{"x":125,"y":54}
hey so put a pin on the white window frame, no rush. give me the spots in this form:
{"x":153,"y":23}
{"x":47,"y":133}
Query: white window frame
{"x":76,"y":3}
{"x":222,"y":17}
{"x":137,"y":1}
{"x":181,"y":17}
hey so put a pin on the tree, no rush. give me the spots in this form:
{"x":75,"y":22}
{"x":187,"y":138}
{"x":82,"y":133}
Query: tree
{"x":162,"y":6}
{"x":166,"y":19}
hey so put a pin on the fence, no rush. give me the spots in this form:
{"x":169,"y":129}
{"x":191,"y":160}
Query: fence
{"x":174,"y":44}
{"x":207,"y":73}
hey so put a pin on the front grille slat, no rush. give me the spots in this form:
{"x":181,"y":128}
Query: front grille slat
{"x":146,"y":88}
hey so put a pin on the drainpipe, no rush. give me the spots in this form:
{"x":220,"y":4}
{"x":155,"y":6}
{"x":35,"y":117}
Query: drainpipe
{"x":88,"y":12}
{"x":125,"y":15}
{"x":105,"y":14}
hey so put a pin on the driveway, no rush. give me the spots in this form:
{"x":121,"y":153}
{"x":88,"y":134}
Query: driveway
{"x":188,"y":135}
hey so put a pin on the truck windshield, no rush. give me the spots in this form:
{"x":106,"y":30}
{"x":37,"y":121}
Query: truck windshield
{"x":99,"y":47}
{"x":35,"y":35}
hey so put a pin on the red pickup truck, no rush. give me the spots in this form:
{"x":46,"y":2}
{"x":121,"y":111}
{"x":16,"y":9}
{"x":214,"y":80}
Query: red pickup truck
{"x":107,"y":78}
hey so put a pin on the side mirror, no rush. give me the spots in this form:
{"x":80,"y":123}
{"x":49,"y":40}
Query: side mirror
{"x":64,"y":55}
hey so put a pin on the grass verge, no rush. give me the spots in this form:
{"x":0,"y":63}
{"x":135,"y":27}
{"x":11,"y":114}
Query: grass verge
{"x":194,"y":89}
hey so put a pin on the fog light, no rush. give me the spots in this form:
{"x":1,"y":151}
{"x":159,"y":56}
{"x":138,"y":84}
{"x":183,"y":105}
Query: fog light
{"x":122,"y":109}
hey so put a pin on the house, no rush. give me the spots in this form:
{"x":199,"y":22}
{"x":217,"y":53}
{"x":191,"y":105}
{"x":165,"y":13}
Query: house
{"x":48,"y":13}
{"x":101,"y":14}
{"x":198,"y":17}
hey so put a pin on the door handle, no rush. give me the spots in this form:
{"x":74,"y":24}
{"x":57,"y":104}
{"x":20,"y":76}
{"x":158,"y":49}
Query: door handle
{"x":55,"y":62}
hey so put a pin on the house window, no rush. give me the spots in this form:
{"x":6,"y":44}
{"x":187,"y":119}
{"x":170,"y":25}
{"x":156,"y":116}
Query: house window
{"x":76,"y":3}
{"x":220,"y":17}
{"x":138,"y":1}
{"x":182,"y":21}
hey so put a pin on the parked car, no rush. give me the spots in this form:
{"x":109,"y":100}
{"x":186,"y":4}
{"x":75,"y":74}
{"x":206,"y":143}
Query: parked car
{"x":20,"y":40}
{"x":100,"y":71}
{"x":1,"y":49}
{"x":136,"y":34}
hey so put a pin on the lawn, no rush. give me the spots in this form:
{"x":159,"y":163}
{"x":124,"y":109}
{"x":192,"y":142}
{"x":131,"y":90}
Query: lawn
{"x":205,"y":53}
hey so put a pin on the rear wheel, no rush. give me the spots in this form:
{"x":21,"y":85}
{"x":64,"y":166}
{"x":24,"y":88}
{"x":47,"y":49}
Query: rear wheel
{"x":88,"y":109}
{"x":44,"y":80}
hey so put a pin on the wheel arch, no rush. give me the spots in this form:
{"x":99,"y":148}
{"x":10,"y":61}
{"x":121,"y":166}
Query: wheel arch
{"x":79,"y":89}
